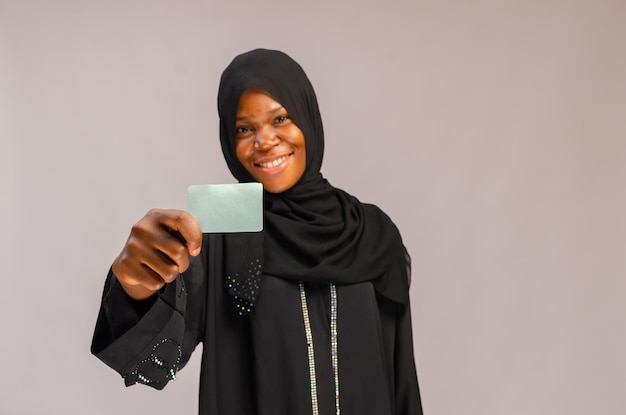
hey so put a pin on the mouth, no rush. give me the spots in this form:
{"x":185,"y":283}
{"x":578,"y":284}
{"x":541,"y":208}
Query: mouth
{"x":273,"y":163}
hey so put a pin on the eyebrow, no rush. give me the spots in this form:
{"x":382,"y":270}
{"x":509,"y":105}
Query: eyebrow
{"x":272,"y":111}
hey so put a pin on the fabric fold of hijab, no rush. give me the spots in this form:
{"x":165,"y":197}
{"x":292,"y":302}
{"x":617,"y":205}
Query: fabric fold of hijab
{"x":313,"y":231}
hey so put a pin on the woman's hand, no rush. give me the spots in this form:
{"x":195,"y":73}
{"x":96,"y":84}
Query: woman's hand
{"x":156,"y":251}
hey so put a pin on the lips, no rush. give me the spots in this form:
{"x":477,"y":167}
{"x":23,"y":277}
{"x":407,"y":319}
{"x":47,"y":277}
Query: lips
{"x":273,"y":163}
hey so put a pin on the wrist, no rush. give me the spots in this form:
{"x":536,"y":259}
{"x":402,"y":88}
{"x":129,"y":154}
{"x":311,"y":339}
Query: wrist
{"x":135,"y":291}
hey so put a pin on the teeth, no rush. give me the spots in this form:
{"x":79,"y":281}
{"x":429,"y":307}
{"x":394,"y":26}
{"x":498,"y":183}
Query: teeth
{"x":273,"y":163}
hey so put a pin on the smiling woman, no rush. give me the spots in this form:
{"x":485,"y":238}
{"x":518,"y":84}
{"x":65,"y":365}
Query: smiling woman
{"x":268,"y":143}
{"x":310,"y":316}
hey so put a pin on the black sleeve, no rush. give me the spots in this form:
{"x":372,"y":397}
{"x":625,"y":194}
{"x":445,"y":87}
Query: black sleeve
{"x":149,"y":341}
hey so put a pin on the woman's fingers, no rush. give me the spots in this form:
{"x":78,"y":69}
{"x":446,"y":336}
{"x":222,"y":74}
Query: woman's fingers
{"x":181,"y":224}
{"x":156,"y":251}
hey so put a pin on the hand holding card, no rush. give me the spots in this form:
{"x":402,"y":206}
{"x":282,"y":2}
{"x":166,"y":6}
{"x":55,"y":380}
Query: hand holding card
{"x":227,"y":208}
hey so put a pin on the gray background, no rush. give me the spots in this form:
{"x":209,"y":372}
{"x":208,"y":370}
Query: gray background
{"x":492,"y":132}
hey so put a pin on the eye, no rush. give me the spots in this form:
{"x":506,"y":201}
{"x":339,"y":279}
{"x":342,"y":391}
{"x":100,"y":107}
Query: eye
{"x":242,"y":130}
{"x":281,"y":119}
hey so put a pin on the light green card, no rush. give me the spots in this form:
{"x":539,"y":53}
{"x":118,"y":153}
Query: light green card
{"x":227,"y":208}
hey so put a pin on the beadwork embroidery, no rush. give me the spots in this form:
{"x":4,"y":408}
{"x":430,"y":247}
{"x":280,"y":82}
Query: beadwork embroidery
{"x":165,"y":370}
{"x":311,"y":350}
{"x":245,"y":288}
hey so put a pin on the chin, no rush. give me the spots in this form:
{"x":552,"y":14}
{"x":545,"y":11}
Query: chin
{"x":276,"y":189}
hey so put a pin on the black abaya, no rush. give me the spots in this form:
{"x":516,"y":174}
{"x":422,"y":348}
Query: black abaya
{"x":256,"y":362}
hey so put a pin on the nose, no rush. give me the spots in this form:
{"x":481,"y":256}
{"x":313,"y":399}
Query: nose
{"x":265,"y":139}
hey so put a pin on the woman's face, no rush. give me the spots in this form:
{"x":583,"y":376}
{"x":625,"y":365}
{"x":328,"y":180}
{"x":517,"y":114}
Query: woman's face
{"x":268,"y":143}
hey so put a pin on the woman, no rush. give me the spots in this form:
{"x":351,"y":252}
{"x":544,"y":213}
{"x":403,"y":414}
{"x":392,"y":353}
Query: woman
{"x":309,"y":316}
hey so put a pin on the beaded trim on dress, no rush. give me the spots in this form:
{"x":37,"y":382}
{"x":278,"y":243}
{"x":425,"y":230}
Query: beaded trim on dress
{"x":311,"y":349}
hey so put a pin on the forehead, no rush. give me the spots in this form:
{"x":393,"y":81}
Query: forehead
{"x":254,"y":100}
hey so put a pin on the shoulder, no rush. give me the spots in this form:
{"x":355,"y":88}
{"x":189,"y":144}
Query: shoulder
{"x":373,"y":212}
{"x":370,"y":214}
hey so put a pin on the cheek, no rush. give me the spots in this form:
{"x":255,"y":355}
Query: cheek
{"x":301,"y":163}
{"x":240,"y":151}
{"x":301,"y":158}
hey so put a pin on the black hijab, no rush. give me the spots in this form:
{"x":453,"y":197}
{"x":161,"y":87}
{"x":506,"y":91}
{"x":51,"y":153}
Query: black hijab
{"x":313,"y":231}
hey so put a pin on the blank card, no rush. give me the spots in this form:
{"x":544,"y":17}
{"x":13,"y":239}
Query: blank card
{"x":227,"y":208}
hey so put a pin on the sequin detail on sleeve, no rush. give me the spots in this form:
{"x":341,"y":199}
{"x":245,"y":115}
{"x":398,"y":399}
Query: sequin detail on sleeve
{"x":160,"y":367}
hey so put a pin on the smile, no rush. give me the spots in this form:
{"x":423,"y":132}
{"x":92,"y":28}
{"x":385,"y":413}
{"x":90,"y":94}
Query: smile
{"x":273,"y":163}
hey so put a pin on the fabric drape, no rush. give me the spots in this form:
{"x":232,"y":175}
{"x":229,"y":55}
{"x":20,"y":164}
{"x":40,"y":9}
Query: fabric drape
{"x":313,"y":231}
